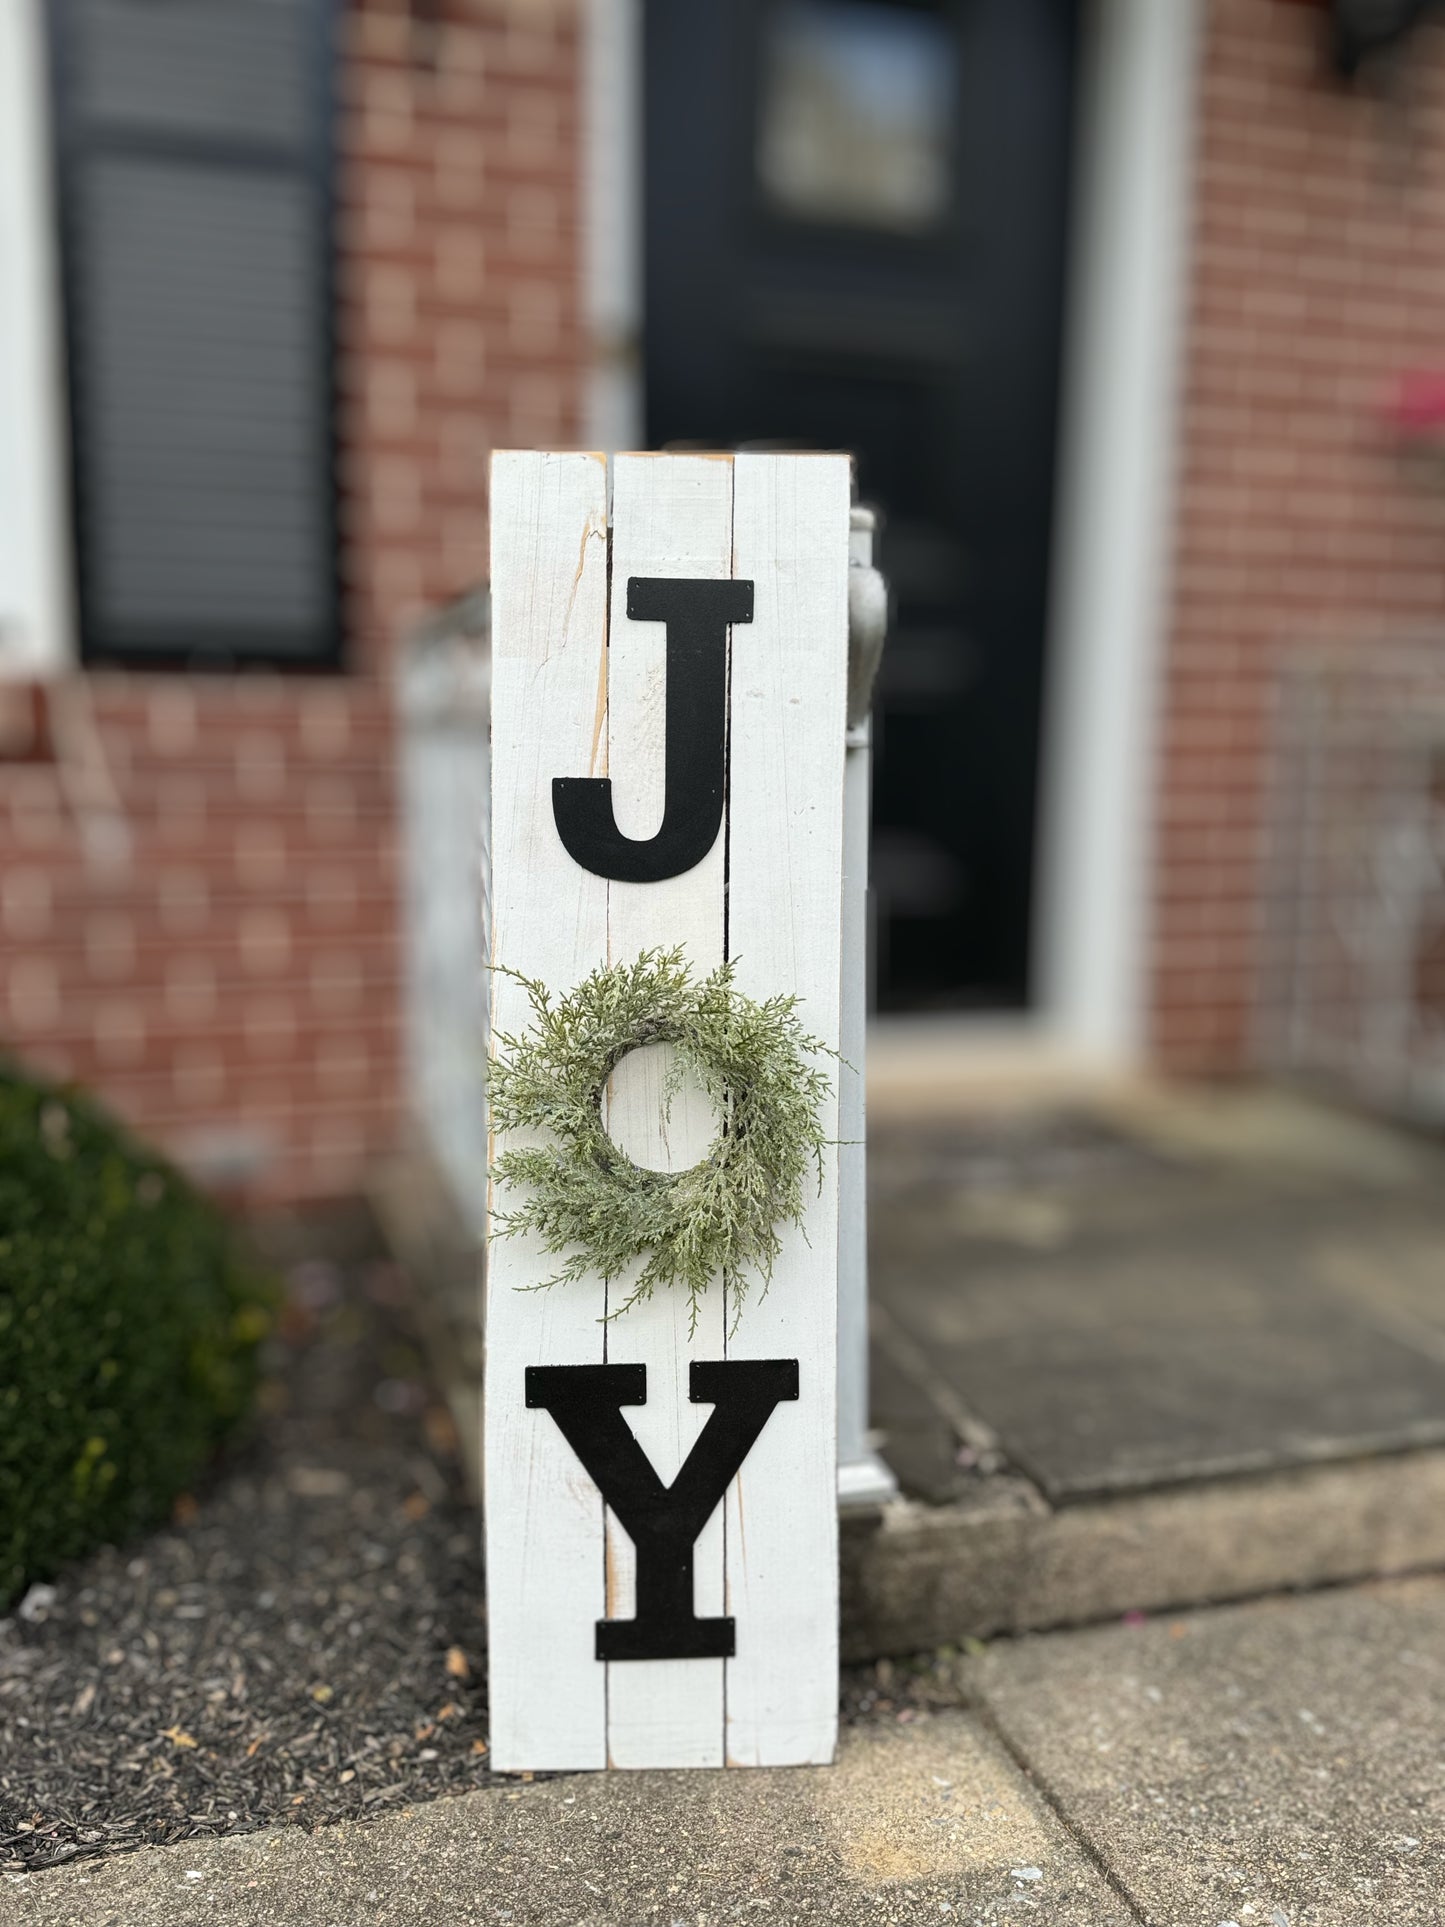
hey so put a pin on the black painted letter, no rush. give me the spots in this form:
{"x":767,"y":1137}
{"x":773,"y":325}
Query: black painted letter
{"x":697,"y":615}
{"x":663,"y":1521}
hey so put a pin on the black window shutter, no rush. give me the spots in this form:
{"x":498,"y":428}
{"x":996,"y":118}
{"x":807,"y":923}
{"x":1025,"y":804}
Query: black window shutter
{"x":194,"y":141}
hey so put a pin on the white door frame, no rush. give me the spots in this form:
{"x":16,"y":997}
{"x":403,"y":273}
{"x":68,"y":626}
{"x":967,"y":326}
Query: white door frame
{"x":1123,"y":377}
{"x":36,"y":623}
{"x":1114,"y":519}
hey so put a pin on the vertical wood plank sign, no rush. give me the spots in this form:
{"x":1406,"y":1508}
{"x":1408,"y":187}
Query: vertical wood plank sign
{"x":668,"y":728}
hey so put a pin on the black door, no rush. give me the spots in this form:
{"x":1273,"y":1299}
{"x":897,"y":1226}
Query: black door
{"x":855,"y":224}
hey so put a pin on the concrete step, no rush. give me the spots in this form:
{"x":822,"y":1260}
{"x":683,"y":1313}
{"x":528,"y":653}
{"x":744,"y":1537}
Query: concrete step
{"x":919,"y":1576}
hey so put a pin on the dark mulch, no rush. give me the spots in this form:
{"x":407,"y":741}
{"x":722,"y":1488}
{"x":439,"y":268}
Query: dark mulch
{"x":305,"y":1641}
{"x":900,"y":1691}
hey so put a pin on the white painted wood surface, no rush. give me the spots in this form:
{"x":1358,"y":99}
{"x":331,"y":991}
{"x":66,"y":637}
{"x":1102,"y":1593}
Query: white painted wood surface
{"x":567,"y":703}
{"x":790,"y":535}
{"x":672,"y":515}
{"x":443,"y":700}
{"x":544,"y":1525}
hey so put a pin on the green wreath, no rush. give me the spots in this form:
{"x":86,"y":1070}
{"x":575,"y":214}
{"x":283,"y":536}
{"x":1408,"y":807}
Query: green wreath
{"x":718,"y":1219}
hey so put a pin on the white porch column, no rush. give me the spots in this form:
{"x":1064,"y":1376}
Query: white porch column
{"x":1120,"y":433}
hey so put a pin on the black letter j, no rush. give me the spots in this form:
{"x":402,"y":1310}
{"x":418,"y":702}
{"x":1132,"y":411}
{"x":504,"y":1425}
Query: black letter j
{"x":697,"y":615}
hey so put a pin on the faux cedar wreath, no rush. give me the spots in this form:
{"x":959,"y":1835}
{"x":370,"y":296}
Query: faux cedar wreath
{"x":581,"y":692}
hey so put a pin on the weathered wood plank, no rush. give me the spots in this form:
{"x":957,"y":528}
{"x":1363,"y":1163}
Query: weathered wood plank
{"x":671,"y":516}
{"x":790,"y":534}
{"x":544,"y":1518}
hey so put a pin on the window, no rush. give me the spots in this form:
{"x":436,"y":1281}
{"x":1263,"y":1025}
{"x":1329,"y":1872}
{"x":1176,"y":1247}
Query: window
{"x":194,"y":175}
{"x":856,"y":102}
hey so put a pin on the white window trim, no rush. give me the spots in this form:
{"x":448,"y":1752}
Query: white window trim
{"x":612,"y":221}
{"x":37,"y":633}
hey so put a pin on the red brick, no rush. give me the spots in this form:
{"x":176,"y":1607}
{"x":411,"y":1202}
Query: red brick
{"x":1318,"y":277}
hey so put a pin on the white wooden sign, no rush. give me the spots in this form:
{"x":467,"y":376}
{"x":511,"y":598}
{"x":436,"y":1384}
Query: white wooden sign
{"x":578,"y":1608}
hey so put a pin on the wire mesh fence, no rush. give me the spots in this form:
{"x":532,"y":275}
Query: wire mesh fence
{"x":1353,"y":981}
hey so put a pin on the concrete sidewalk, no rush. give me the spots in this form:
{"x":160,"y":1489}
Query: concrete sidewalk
{"x":1276,"y":1764}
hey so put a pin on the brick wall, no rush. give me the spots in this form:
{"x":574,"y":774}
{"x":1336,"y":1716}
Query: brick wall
{"x":459,"y":326}
{"x":1318,"y":277}
{"x":199,"y":888}
{"x":198,"y":900}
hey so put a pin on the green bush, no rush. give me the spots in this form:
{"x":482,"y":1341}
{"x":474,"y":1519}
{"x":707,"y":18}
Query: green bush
{"x":129,"y":1326}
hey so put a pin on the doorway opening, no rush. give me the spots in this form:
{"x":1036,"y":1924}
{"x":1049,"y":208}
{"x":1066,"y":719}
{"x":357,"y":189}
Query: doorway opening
{"x":855,"y":227}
